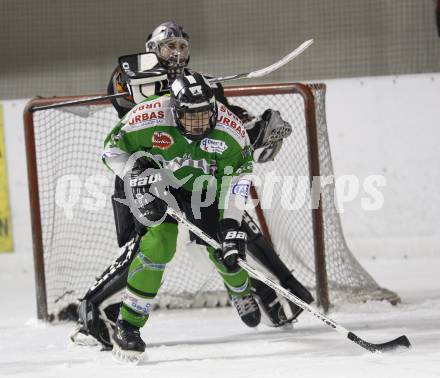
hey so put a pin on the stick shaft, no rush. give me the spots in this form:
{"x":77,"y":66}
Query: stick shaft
{"x":258,"y":73}
{"x":79,"y":102}
{"x":255,"y":273}
{"x":401,"y":341}
{"x":291,"y":297}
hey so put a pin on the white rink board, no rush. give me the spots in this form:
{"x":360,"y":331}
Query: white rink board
{"x":389,"y":126}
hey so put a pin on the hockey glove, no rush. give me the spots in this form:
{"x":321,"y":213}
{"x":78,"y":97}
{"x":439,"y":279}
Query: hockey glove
{"x":148,"y":193}
{"x":267,"y":133}
{"x":233,"y":244}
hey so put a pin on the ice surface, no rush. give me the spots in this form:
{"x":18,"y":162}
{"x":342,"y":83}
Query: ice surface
{"x":214,"y":343}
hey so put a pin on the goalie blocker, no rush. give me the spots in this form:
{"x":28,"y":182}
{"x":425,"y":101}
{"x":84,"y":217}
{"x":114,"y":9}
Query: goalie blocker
{"x":99,"y":308}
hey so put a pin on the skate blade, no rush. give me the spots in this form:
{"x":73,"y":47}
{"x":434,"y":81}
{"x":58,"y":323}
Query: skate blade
{"x":80,"y":339}
{"x":287,"y":326}
{"x":129,"y":357}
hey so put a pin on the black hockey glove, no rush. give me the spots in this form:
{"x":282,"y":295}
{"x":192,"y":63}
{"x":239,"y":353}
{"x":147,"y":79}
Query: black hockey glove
{"x":233,"y":244}
{"x":148,"y":193}
{"x":268,"y":129}
{"x":266,"y":134}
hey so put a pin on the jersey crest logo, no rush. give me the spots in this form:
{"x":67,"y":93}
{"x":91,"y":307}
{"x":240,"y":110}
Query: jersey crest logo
{"x":213,"y":145}
{"x":241,"y":188}
{"x":162,"y":140}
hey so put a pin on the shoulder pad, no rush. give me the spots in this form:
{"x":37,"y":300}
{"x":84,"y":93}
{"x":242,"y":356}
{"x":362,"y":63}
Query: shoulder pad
{"x":152,"y":112}
{"x":231,"y":124}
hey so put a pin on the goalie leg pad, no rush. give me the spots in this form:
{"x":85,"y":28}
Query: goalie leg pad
{"x":124,"y":221}
{"x":99,"y":308}
{"x":259,"y":248}
{"x":270,"y":304}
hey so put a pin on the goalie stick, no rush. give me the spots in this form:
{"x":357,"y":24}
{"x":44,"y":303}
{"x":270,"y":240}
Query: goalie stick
{"x":258,"y":73}
{"x":78,"y":102}
{"x":401,"y":341}
{"x":267,"y":70}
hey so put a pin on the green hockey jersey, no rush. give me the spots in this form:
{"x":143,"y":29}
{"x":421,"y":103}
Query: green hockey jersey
{"x":222,"y":160}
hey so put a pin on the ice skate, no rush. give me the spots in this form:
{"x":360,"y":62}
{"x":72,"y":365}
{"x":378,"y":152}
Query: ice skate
{"x":247,"y":308}
{"x":128,"y":347}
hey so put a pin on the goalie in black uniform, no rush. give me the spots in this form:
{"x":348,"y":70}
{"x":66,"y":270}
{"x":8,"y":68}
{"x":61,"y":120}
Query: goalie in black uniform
{"x":100,"y":306}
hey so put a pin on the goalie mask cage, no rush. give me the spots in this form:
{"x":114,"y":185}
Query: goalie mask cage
{"x":74,"y":237}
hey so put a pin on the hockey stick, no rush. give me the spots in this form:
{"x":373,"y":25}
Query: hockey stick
{"x":79,"y":102}
{"x":401,"y":341}
{"x":259,"y":73}
{"x":267,"y":70}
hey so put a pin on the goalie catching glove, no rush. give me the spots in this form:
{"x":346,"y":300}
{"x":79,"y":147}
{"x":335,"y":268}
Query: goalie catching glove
{"x":267,"y":133}
{"x":233,"y":244}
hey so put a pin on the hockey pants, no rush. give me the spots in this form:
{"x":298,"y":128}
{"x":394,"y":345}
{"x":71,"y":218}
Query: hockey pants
{"x":157,"y":248}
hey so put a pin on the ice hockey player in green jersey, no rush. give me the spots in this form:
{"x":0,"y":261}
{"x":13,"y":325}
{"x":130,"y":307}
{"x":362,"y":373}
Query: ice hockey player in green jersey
{"x":183,"y":147}
{"x":99,"y":307}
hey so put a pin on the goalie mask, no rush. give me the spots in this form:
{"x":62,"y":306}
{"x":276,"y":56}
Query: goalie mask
{"x":171,"y":44}
{"x":194,"y":107}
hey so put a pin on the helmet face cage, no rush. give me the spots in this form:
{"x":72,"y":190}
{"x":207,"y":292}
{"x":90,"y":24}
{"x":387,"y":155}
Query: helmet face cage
{"x":194,"y":106}
{"x":196,"y":123}
{"x":171,"y":44}
{"x":174,"y":50}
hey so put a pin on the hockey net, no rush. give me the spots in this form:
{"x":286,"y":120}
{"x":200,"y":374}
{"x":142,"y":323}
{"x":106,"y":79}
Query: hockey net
{"x":72,"y":218}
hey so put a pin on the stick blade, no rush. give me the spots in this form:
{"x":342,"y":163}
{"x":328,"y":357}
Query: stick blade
{"x":267,"y":70}
{"x":389,"y":346}
{"x":293,"y":54}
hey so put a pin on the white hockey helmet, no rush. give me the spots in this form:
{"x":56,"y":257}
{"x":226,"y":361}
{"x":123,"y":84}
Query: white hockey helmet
{"x":171,"y":44}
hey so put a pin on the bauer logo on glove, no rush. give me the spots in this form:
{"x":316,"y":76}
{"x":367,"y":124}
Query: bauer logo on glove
{"x":147,"y":180}
{"x":233,"y":244}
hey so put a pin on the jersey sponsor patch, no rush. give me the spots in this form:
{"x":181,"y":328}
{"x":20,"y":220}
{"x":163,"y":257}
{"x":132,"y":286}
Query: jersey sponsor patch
{"x":230,"y":123}
{"x":146,"y":118}
{"x":148,"y":114}
{"x":146,"y":106}
{"x":228,"y":113}
{"x":213,"y":145}
{"x":237,"y":127}
{"x":162,"y":140}
{"x":241,"y":188}
{"x":180,"y":162}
